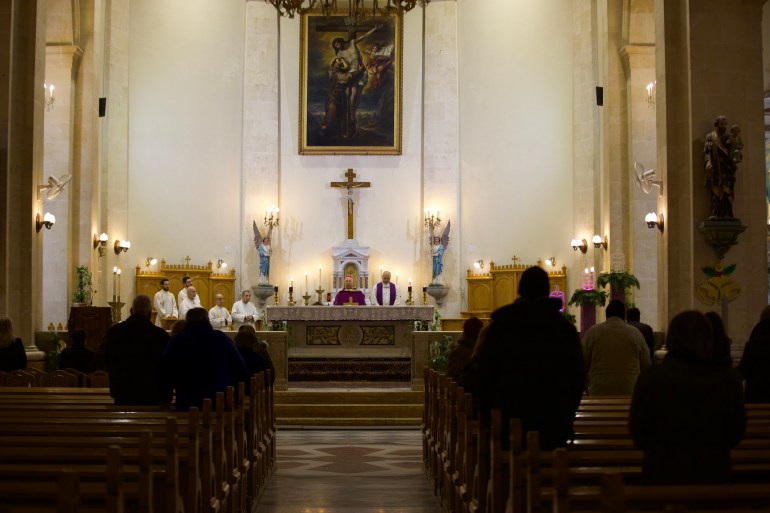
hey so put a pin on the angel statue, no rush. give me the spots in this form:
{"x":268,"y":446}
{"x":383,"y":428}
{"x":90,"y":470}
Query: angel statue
{"x":438,"y":246}
{"x":265,"y":250}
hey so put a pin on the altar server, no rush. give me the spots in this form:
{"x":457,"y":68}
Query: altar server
{"x":384,"y":293}
{"x":219,"y":316}
{"x":244,"y":311}
{"x":190,"y":301}
{"x":165,"y":304}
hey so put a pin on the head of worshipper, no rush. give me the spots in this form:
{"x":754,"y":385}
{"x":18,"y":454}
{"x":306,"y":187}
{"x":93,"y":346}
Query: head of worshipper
{"x":197,"y":316}
{"x":141,"y":306}
{"x":633,"y":315}
{"x":616,"y":308}
{"x":79,"y":338}
{"x":348,"y":282}
{"x":690,"y":337}
{"x":472,"y":328}
{"x":386,"y":277}
{"x":247,"y":327}
{"x":534,"y":284}
{"x":246,"y":339}
{"x":246,"y":296}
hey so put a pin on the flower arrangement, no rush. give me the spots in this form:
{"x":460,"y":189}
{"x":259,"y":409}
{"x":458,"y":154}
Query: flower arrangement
{"x":617,"y":280}
{"x":590,"y":296}
{"x":439,"y":352}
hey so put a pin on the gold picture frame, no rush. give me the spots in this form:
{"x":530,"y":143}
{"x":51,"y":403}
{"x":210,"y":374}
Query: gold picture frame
{"x":350,"y":85}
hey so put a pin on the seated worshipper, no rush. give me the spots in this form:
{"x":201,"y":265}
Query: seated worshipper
{"x":349,"y":296}
{"x":190,"y":301}
{"x":263,"y":349}
{"x":132,"y":352}
{"x":722,"y":342}
{"x":12,"y":353}
{"x":634,"y":318}
{"x":246,"y":341}
{"x":461,"y":354}
{"x":201,"y":361}
{"x":178,"y":327}
{"x":755,"y":362}
{"x":384,"y":293}
{"x":615,"y":353}
{"x":687,"y":413}
{"x":165,"y":304}
{"x":528,"y":363}
{"x":78,"y":356}
{"x":244,"y":311}
{"x":219,"y":317}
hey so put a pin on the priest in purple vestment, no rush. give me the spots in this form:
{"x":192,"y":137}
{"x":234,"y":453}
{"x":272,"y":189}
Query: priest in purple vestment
{"x":349,"y":296}
{"x":384,"y":293}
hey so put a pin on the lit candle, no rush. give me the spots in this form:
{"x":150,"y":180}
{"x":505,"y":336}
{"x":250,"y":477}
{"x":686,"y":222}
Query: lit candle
{"x":291,"y":282}
{"x":275,"y":289}
{"x":118,"y":285}
{"x":425,"y":289}
{"x":114,"y":283}
{"x":396,"y":278}
{"x":319,"y":276}
{"x":410,"y":288}
{"x":306,"y":289}
{"x":380,"y":272}
{"x":410,"y":282}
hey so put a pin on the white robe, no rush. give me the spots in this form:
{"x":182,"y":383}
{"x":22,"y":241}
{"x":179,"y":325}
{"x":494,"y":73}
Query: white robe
{"x":240,"y":311}
{"x":220,"y":318}
{"x":187,"y":304}
{"x":385,"y":295}
{"x":165,"y":305}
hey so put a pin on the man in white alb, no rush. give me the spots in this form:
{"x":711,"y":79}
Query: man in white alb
{"x":165,"y":304}
{"x":384,"y":293}
{"x":244,"y":311}
{"x":191,"y":300}
{"x":219,"y":316}
{"x":186,"y":282}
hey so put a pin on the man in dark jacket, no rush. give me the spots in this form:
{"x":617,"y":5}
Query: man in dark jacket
{"x":132,"y":351}
{"x":529,"y":364}
{"x":201,"y":361}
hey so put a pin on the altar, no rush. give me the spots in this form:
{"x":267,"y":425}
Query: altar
{"x":349,"y":331}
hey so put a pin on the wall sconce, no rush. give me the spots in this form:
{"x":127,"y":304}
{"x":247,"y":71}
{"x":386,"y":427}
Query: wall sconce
{"x":479,"y":264}
{"x":581,"y":244}
{"x":600,"y":242}
{"x":150,"y":261}
{"x":100,"y":243}
{"x":654,"y":220}
{"x":221,"y":264}
{"x":122,"y":245}
{"x":551,"y":261}
{"x":651,"y":87}
{"x":49,"y":96}
{"x":48,"y":220}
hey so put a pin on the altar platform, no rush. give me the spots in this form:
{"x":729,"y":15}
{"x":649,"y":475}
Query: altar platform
{"x":349,"y":331}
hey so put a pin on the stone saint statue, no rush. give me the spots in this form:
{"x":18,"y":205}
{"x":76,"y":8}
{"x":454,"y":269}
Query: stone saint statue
{"x":721,"y":154}
{"x":438,"y":246}
{"x":264,"y":250}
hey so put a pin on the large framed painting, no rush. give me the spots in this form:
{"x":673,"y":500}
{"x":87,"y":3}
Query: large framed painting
{"x":350,"y":85}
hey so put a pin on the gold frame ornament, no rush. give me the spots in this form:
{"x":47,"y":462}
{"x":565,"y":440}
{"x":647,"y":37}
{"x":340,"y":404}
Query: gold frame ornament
{"x":350,"y":85}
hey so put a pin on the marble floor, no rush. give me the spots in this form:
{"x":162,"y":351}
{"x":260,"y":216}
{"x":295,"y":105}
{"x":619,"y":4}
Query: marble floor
{"x":348,"y":471}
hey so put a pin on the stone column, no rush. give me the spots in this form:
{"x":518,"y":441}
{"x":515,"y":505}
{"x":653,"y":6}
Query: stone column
{"x":441,"y":137}
{"x":261,"y":127}
{"x":709,"y":63}
{"x":22,"y":28}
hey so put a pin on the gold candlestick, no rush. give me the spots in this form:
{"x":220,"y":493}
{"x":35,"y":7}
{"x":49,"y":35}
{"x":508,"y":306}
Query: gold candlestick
{"x":275,"y":298}
{"x":410,"y":299}
{"x":291,"y":301}
{"x":424,"y":296}
{"x":320,"y":292}
{"x":306,"y":297}
{"x":116,"y":309}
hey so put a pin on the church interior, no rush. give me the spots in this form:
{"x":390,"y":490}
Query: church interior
{"x":524,"y":124}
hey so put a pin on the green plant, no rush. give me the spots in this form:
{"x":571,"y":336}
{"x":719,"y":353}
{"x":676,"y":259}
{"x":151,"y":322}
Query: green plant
{"x":53,"y":355}
{"x":591,"y":297}
{"x":83,"y":285}
{"x":571,"y":318}
{"x":617,"y":280}
{"x":439,"y":352}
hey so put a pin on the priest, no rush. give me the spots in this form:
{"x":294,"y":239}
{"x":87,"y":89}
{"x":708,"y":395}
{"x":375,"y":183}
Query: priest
{"x":384,"y":293}
{"x":349,"y":296}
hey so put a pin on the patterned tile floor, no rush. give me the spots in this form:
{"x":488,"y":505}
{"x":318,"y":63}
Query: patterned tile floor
{"x":349,"y":471}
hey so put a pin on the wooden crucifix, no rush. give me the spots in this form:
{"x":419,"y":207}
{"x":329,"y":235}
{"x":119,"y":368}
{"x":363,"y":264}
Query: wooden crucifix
{"x":350,"y":185}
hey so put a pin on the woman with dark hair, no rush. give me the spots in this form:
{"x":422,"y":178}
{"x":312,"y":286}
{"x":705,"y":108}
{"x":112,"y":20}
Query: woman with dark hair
{"x":461,"y":355}
{"x":687,"y":413}
{"x":246,"y":341}
{"x":12,"y":354}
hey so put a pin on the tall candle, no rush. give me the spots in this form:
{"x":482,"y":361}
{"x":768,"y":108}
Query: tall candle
{"x":118,"y":285}
{"x":114,"y":283}
{"x":291,"y":282}
{"x":396,"y":278}
{"x":319,"y":276}
{"x":306,"y":289}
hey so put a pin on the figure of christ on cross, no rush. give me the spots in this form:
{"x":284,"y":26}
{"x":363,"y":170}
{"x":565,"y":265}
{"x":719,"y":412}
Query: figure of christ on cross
{"x":350,"y":185}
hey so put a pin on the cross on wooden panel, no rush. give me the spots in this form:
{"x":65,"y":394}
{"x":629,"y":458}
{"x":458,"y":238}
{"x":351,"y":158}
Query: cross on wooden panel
{"x":350,"y":185}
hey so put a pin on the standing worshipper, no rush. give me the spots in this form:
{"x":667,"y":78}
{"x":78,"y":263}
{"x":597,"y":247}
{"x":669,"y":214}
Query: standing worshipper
{"x":244,"y":311}
{"x":219,"y":317}
{"x":687,"y":413}
{"x":78,"y":356}
{"x":634,"y":318}
{"x":528,"y":363}
{"x":384,"y":293}
{"x":165,"y":304}
{"x":615,"y":353}
{"x":201,"y":361}
{"x":13,"y":356}
{"x":132,"y":351}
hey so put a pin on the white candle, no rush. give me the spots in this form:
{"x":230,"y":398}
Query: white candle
{"x":118,"y":284}
{"x":396,"y":278}
{"x":319,"y":276}
{"x":306,"y":289}
{"x":380,"y":272}
{"x":114,"y":283}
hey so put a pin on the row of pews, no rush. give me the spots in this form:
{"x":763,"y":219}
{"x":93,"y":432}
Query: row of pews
{"x":70,"y":378}
{"x":72,"y":450}
{"x":599,"y":471}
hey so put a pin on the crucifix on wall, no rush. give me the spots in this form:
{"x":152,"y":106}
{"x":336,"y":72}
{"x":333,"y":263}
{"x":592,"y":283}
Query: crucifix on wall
{"x":350,"y":185}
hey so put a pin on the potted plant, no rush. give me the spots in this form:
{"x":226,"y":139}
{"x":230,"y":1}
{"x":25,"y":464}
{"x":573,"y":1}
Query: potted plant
{"x":588,"y":300}
{"x":618,"y":281}
{"x":439,"y":352}
{"x":82,"y":294}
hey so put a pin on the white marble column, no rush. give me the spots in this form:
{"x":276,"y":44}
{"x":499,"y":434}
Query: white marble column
{"x":261,"y":146}
{"x":441,"y":138}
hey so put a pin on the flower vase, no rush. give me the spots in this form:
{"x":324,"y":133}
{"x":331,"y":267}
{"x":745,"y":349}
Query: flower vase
{"x":587,"y":316}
